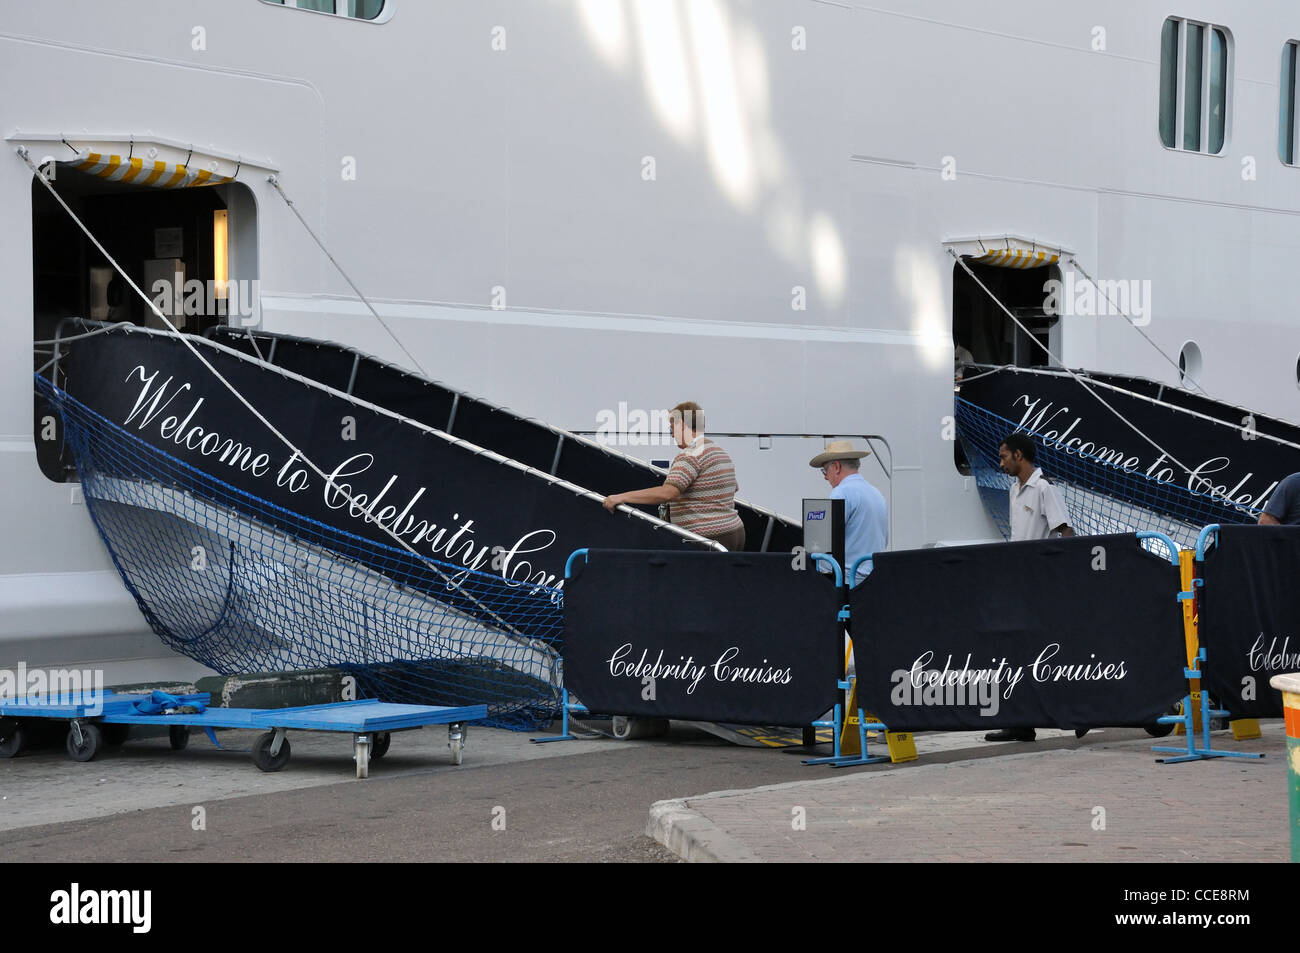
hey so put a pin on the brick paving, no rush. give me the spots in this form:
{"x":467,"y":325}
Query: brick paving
{"x":1103,"y":801}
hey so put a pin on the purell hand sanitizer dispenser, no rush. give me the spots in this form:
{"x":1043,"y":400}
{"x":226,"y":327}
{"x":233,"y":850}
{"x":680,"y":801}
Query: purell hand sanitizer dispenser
{"x":823,"y":528}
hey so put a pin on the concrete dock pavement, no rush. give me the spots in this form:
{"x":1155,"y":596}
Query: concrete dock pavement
{"x":1106,"y":800}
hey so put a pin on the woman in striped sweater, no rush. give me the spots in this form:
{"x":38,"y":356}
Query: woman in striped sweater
{"x":700,"y":490}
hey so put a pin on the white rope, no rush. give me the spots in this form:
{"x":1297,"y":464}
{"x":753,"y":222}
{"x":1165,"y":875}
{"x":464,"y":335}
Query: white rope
{"x":1079,"y":380}
{"x":1183,"y":375}
{"x":22,"y":152}
{"x":88,"y":334}
{"x":275,"y":183}
{"x":975,"y":377}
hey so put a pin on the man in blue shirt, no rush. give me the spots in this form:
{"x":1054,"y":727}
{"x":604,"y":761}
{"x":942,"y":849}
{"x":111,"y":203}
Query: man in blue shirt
{"x":866,"y":516}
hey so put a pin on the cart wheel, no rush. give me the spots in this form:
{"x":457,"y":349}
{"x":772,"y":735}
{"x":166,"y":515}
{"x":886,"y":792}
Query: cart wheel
{"x":11,"y":737}
{"x":115,"y":735}
{"x":179,"y":737}
{"x":379,"y":743}
{"x":456,"y":742}
{"x":362,"y":758}
{"x":262,"y":752}
{"x":89,"y":745}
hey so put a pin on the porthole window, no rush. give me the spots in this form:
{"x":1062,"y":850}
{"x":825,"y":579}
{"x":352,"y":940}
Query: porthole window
{"x":1189,"y":363}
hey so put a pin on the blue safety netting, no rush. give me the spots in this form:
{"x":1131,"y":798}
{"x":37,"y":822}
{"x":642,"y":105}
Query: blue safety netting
{"x":245,"y":586}
{"x":1100,"y":497}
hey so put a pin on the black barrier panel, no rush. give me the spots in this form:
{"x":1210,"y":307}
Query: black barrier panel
{"x":1066,"y":633}
{"x":731,"y":637}
{"x":1250,"y":616}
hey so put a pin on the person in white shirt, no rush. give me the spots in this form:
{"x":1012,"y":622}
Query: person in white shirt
{"x":1036,"y":513}
{"x":1036,"y":508}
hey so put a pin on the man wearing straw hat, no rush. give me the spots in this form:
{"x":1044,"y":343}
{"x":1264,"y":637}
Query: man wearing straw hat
{"x":866,"y":516}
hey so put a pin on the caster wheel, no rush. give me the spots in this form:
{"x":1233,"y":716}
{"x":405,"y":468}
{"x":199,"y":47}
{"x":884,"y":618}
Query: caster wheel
{"x":11,"y":737}
{"x":178,"y":736}
{"x":362,"y":758}
{"x":262,"y":756}
{"x":85,"y":743}
{"x":115,"y":735}
{"x":630,"y":729}
{"x":379,"y":743}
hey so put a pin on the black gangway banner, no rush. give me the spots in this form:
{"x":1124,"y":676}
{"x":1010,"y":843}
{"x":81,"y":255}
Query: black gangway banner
{"x":383,"y":475}
{"x":1204,"y":435}
{"x":728,"y":637}
{"x":1067,"y":633}
{"x":1249,"y":620}
{"x":495,"y":428}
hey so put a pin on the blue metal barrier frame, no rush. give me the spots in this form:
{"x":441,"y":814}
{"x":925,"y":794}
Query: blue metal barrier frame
{"x":1187,"y":720}
{"x":1169,"y":543}
{"x":820,"y":558}
{"x":1203,"y":539}
{"x":566,"y":707}
{"x":836,"y":724}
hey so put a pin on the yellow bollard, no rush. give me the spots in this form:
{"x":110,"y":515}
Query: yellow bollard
{"x":1191,"y":635}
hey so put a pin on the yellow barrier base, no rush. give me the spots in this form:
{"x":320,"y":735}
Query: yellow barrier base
{"x":1244,"y":729}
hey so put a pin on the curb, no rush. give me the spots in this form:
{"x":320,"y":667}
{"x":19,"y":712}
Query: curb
{"x":693,"y":837}
{"x":696,"y":839}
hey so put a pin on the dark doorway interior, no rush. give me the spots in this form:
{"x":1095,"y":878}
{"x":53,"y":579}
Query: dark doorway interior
{"x":985,"y":331}
{"x":150,"y":232}
{"x":979,"y":325}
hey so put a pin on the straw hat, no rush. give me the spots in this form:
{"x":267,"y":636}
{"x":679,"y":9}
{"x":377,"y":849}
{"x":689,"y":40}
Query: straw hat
{"x":838,"y":450}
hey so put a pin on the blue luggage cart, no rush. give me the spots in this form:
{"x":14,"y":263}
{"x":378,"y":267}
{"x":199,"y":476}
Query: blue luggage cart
{"x":96,"y":720}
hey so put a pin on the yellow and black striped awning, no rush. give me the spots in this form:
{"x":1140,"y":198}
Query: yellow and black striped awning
{"x":134,"y":170}
{"x":1018,"y":257}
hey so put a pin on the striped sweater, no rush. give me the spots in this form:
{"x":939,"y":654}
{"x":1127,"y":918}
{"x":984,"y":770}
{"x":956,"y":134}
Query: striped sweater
{"x":706,"y":477}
